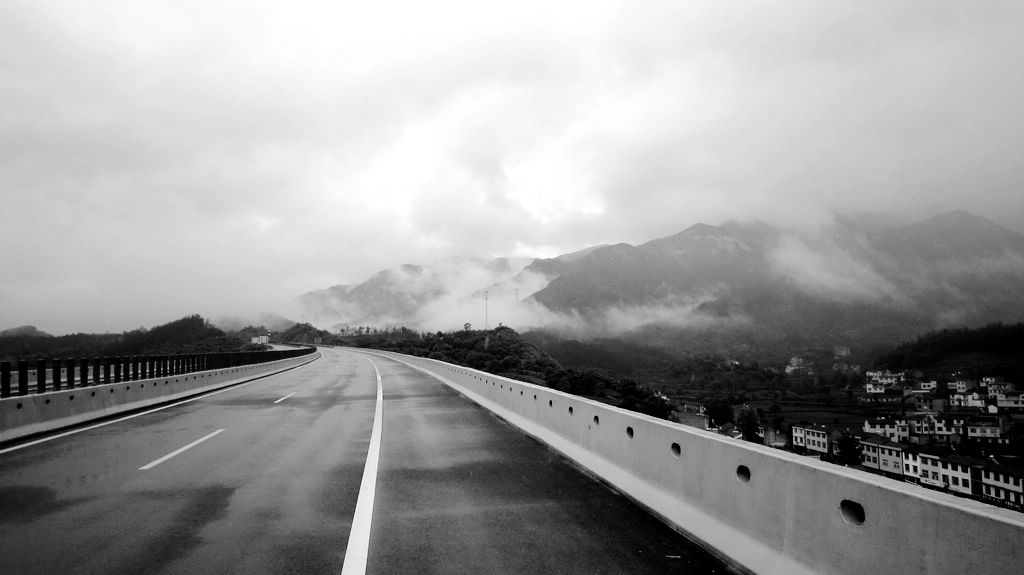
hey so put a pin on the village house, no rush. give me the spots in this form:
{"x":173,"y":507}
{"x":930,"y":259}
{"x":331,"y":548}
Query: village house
{"x":988,"y":429}
{"x":1003,"y":485}
{"x":935,"y":428}
{"x":882,"y":455}
{"x":816,"y":439}
{"x":964,"y":473}
{"x":799,"y":438}
{"x":886,"y":378}
{"x":892,"y":429}
{"x":1010,"y":400}
{"x":952,"y":471}
{"x":889,"y":396}
{"x":973,"y":397}
{"x":996,"y":385}
{"x":924,"y":387}
{"x":929,"y":402}
{"x":961,"y":385}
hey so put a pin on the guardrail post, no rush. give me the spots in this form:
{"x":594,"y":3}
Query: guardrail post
{"x":70,"y":362}
{"x":41,"y":376}
{"x":83,"y":371}
{"x":106,"y":370}
{"x":97,"y":369}
{"x":5,"y":379}
{"x":56,"y":374}
{"x":22,"y":377}
{"x":136,"y":368}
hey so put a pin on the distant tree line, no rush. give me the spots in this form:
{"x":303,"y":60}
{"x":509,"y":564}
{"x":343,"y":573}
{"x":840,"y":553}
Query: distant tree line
{"x":190,"y":334}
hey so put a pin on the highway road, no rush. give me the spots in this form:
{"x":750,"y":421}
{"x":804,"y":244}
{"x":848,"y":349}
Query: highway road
{"x":308,"y":471}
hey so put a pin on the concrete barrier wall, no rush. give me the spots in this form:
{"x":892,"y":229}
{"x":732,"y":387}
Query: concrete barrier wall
{"x":765,"y":510}
{"x":25,"y":415}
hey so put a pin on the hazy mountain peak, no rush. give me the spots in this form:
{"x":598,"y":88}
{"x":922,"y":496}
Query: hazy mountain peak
{"x":24,"y":331}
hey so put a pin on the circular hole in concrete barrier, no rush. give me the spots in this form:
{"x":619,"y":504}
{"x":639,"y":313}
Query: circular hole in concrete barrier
{"x":676,"y":450}
{"x":853,"y":512}
{"x":629,"y":432}
{"x":570,"y":410}
{"x":535,"y":397}
{"x":597,"y":420}
{"x":743,"y":473}
{"x":550,"y":403}
{"x":47,"y":402}
{"x":520,"y":392}
{"x":111,"y":391}
{"x":93,"y":394}
{"x":71,"y":398}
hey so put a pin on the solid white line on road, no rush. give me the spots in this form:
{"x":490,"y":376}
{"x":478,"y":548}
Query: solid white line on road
{"x":359,"y":537}
{"x":178,"y":451}
{"x":285,"y":397}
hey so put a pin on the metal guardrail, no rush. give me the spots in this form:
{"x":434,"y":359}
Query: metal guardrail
{"x":18,"y":378}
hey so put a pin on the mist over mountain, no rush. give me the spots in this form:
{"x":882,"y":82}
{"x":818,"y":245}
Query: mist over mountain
{"x":741,"y":288}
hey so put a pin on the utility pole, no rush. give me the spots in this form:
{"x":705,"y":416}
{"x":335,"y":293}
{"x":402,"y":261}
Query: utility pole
{"x":486,"y":298}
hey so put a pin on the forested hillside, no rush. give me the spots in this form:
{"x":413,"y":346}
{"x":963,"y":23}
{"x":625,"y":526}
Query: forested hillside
{"x":993,"y":350}
{"x":190,"y":334}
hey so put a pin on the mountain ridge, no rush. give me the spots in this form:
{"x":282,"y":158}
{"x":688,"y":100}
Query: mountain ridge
{"x":860,"y":280}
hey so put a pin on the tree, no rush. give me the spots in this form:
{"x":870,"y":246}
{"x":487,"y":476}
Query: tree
{"x":719,"y":410}
{"x":748,"y":423}
{"x":467,"y":326}
{"x":849,"y":450}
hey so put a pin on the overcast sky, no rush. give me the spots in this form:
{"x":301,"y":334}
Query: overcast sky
{"x":165,"y":158}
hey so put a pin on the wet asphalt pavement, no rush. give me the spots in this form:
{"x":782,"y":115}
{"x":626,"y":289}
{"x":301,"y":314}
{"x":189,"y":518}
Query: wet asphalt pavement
{"x":270,"y":482}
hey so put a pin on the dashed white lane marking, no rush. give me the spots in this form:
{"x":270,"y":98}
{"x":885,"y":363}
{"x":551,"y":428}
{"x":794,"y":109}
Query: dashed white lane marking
{"x":285,"y":397}
{"x":359,"y":537}
{"x":179,"y":451}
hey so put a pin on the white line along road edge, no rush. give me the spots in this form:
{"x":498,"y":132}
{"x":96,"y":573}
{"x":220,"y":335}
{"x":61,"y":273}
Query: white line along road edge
{"x":178,"y":451}
{"x":358,"y":548}
{"x":285,"y":397}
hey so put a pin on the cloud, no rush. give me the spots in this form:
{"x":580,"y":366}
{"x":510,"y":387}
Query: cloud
{"x":214,"y":156}
{"x":820,"y":267}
